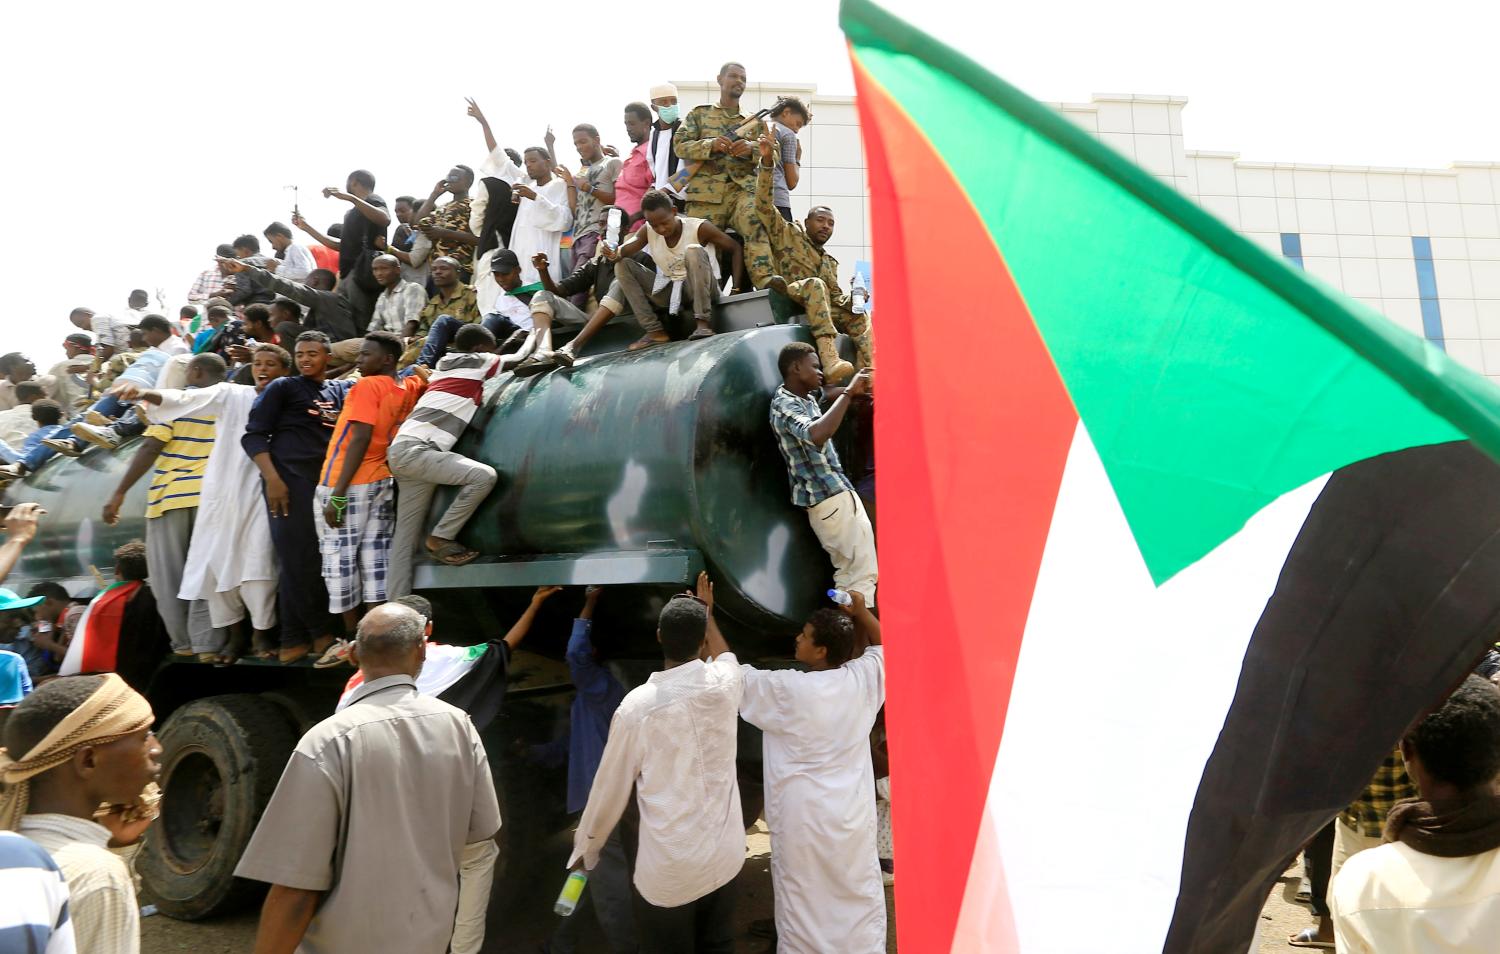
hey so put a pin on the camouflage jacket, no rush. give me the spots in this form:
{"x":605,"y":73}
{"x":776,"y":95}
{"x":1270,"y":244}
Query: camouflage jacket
{"x":796,"y":256}
{"x":115,"y":367}
{"x":464,"y":306}
{"x":453,"y":216}
{"x":716,"y":178}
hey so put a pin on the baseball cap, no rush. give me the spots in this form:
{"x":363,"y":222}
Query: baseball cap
{"x":505,"y":261}
{"x":663,"y":90}
{"x":10,"y":601}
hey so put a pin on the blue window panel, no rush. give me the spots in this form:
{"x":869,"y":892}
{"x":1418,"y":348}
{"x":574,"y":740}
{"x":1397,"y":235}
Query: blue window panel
{"x":1427,"y":290}
{"x":1291,"y":247}
{"x":1432,"y":322}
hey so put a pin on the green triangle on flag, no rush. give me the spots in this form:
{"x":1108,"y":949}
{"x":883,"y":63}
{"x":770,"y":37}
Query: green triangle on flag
{"x":1211,"y":376}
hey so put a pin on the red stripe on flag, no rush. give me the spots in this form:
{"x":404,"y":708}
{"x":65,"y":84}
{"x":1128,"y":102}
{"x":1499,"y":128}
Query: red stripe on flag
{"x":972,"y":436}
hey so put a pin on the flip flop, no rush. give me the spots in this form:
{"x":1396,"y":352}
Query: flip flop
{"x":453,"y":553}
{"x":564,"y":359}
{"x":534,"y":366}
{"x":1308,"y":937}
{"x":644,"y":342}
{"x":701,"y":333}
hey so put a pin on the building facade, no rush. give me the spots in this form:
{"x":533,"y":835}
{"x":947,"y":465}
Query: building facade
{"x":1420,"y":246}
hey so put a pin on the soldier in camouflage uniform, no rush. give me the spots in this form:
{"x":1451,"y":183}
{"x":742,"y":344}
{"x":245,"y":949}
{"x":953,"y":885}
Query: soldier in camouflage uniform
{"x":808,"y":275}
{"x":721,"y":182}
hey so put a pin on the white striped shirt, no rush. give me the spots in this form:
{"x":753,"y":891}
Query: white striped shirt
{"x":452,"y":396}
{"x":101,"y":888}
{"x":33,"y":899}
{"x":110,"y":331}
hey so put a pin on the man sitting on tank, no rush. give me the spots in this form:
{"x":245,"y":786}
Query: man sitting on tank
{"x":508,"y":319}
{"x":808,"y":275}
{"x":551,"y":305}
{"x":804,"y":433}
{"x":686,"y":273}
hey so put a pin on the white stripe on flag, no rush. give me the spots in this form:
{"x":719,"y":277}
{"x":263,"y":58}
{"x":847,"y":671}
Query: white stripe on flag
{"x":1121,"y":689}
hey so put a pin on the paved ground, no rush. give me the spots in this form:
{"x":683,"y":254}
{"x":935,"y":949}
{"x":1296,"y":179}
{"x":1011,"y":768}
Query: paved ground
{"x":523,"y":930}
{"x":519,"y":931}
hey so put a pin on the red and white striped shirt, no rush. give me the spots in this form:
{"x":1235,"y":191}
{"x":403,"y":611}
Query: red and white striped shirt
{"x":452,"y":396}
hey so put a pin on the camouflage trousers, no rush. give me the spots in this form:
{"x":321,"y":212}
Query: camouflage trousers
{"x":738,"y":212}
{"x":825,"y":318}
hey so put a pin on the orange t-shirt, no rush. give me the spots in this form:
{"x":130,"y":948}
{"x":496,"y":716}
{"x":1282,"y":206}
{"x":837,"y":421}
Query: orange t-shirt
{"x":381,"y":402}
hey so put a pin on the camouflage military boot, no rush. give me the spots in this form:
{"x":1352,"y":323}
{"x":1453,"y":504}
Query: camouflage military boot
{"x":858,"y":329}
{"x":836,"y":371}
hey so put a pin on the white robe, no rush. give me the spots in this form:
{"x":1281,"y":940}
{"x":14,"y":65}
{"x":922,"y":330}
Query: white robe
{"x":231,"y":541}
{"x":539,"y":227}
{"x":820,"y":803}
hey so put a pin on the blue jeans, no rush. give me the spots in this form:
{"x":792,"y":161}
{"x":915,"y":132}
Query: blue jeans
{"x":34,"y":453}
{"x":110,"y":406}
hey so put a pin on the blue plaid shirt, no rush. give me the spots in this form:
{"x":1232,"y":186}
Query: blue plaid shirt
{"x":815,"y":472}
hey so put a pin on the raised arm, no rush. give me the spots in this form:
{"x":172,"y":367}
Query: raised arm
{"x":713,"y":640}
{"x":522,"y":626}
{"x":374,"y":213}
{"x":478,"y":114}
{"x":765,"y":195}
{"x":430,"y":205}
{"x":321,"y":239}
{"x":824,"y":427}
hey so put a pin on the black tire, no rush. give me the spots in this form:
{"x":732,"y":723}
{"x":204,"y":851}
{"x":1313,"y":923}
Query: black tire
{"x":222,"y":757}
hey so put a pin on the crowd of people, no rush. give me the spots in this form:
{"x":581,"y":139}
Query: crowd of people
{"x":331,"y":381}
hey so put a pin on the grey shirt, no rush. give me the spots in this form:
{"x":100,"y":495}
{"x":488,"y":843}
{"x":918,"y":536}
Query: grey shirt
{"x":786,"y":142}
{"x":374,"y":808}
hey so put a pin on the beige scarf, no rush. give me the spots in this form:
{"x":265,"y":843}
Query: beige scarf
{"x":114,"y":711}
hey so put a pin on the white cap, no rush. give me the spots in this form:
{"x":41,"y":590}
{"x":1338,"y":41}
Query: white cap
{"x":663,"y":90}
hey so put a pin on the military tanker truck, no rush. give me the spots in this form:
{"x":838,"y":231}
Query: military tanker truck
{"x":631,"y":470}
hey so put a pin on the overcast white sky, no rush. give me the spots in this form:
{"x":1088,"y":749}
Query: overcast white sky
{"x":139,"y":136}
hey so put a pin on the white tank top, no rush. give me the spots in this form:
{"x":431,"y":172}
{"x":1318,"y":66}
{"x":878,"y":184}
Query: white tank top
{"x":671,"y":261}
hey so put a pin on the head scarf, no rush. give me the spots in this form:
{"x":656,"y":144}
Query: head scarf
{"x":114,"y":711}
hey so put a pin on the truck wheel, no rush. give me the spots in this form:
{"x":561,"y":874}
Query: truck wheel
{"x":221,"y":759}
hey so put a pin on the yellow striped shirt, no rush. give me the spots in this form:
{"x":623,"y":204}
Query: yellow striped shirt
{"x":178,"y":477}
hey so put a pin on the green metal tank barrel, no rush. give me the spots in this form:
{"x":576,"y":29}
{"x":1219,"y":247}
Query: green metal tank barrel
{"x":73,"y":538}
{"x":630,"y":468}
{"x":662,"y":450}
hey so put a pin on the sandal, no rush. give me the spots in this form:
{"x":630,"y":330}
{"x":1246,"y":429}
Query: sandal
{"x":645,"y":341}
{"x":535,"y":365}
{"x":564,"y":358}
{"x":293,"y":655}
{"x":1308,"y":937}
{"x":453,"y":553}
{"x":700,"y":333}
{"x":337,"y":655}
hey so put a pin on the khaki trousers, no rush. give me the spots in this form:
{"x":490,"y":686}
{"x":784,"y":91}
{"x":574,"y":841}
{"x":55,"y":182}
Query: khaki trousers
{"x":843,"y":527}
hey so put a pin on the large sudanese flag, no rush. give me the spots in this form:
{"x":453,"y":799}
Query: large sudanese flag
{"x":1176,"y":542}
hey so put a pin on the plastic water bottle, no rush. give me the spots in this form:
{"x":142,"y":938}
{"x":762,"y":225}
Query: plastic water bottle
{"x":612,"y":226}
{"x":858,"y":294}
{"x":841,"y":598}
{"x":572,"y":890}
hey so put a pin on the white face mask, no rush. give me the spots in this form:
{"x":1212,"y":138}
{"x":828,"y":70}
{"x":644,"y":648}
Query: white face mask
{"x":667,"y":114}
